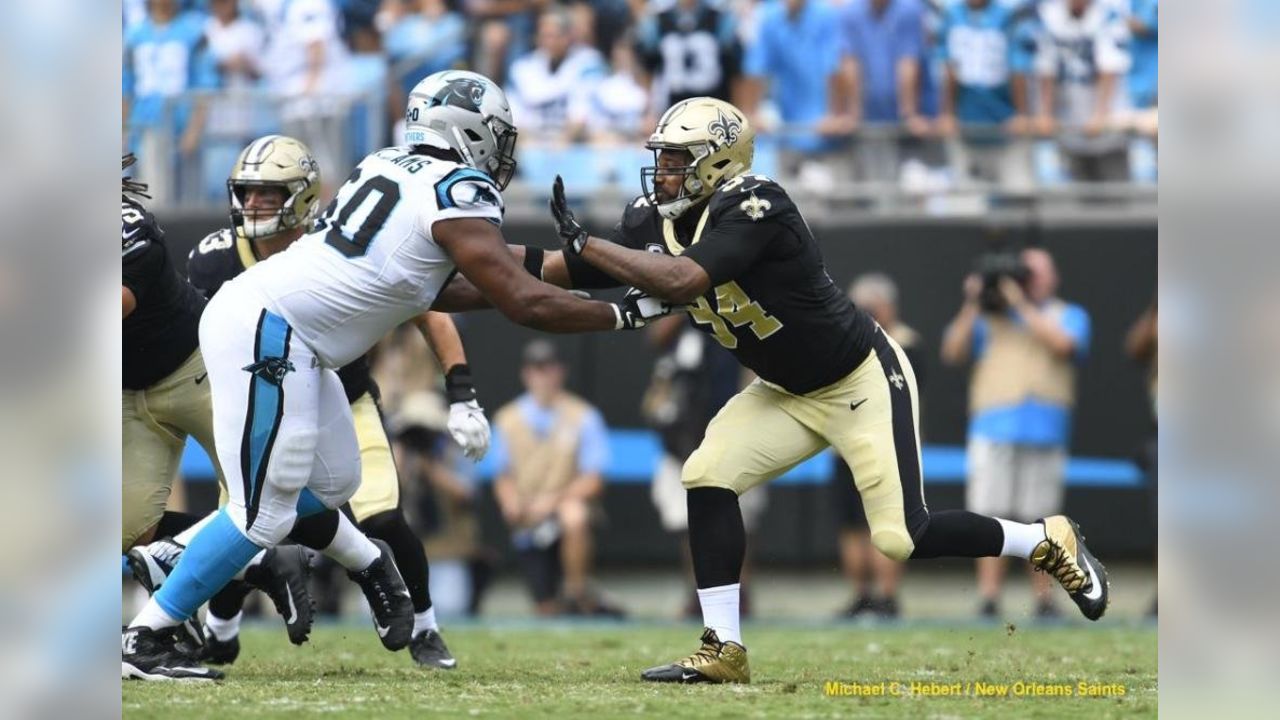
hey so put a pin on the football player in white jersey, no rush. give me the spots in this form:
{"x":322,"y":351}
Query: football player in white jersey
{"x":406,"y":220}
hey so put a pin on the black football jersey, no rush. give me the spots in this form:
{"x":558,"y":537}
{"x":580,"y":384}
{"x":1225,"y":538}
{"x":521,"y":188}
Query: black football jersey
{"x":164,"y":328}
{"x":772,"y":302}
{"x":224,"y":254}
{"x":693,"y":52}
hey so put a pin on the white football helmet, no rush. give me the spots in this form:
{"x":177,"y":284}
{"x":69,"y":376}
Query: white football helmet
{"x":467,"y":112}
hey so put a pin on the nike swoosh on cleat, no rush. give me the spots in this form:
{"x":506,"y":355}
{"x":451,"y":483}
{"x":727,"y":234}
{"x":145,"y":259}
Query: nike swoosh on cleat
{"x":293,"y":610}
{"x":688,"y":675}
{"x":382,"y":631}
{"x":1095,"y":588}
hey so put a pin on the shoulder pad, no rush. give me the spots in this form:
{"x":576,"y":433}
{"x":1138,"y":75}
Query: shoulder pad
{"x":138,"y":229}
{"x":467,"y":188}
{"x":213,"y":261}
{"x":637,"y":212}
{"x":754,"y":196}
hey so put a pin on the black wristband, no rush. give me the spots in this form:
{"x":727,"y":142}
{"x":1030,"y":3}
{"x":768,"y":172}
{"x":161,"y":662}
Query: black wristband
{"x":533,"y":260}
{"x":457,"y":384}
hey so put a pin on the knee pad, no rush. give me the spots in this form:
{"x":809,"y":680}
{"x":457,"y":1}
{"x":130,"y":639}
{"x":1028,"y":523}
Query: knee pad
{"x":292,"y":459}
{"x":895,"y":543}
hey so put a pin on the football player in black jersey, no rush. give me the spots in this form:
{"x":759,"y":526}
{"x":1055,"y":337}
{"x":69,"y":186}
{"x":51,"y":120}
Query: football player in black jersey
{"x":165,"y":399}
{"x":733,"y":246}
{"x":273,"y":192}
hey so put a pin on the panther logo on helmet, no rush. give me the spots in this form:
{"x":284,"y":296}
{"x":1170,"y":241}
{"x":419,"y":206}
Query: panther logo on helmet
{"x":462,"y":93}
{"x":725,"y":128}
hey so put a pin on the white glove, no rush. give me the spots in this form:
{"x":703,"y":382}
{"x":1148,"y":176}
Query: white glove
{"x":468,"y":426}
{"x":639,"y":307}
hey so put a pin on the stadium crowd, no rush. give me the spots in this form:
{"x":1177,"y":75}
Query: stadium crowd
{"x":930,"y":94}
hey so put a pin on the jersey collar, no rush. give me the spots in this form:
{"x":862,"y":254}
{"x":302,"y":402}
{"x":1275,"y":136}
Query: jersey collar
{"x":669,"y":232}
{"x":244,"y":246}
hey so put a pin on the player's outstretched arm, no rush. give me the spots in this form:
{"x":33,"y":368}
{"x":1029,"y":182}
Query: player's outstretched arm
{"x":549,"y":266}
{"x":676,"y":279}
{"x":483,"y":258}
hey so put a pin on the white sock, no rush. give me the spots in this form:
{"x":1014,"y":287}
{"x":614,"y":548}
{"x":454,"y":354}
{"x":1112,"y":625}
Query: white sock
{"x":1020,"y":538}
{"x":720,"y":611}
{"x":351,"y":548}
{"x":154,"y":617}
{"x":185,"y":536}
{"x":256,"y":560}
{"x":221,"y":629}
{"x":425,"y":620}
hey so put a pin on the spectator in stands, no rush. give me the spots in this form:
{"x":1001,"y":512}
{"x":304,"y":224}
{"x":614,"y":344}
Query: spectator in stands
{"x":503,"y":32}
{"x":1025,"y":344}
{"x":550,"y":86}
{"x":1144,"y":26}
{"x":883,"y":47}
{"x":420,"y":37}
{"x":984,"y":93}
{"x":358,"y":25}
{"x":307,"y":67}
{"x":691,"y":49}
{"x":439,"y":500}
{"x":1081,"y":60}
{"x":796,"y":54}
{"x":549,"y":450}
{"x":692,"y":379}
{"x":617,"y":111}
{"x":236,"y":44}
{"x":165,"y":57}
{"x":877,"y":294}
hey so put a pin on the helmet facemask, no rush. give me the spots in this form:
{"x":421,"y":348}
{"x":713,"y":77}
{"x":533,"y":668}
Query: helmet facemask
{"x":255,"y":224}
{"x":692,"y":189}
{"x":502,"y":166}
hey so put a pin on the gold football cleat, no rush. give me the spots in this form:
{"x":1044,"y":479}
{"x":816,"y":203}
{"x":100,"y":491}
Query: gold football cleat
{"x":714,"y":662}
{"x":1063,"y":554}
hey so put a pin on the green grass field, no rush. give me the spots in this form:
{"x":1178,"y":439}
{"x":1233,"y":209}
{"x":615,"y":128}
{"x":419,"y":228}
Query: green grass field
{"x":593,"y":671}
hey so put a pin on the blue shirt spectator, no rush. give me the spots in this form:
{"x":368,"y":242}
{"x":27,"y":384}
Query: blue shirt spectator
{"x":982,"y":55}
{"x":797,"y":51}
{"x":1032,"y":421}
{"x":424,"y":42}
{"x":165,"y":56}
{"x":886,"y":39}
{"x":593,"y":438}
{"x":1144,"y":24}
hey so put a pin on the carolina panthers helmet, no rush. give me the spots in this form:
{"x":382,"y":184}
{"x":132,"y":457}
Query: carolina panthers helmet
{"x":275,"y":161}
{"x":718,"y":137}
{"x":467,"y":112}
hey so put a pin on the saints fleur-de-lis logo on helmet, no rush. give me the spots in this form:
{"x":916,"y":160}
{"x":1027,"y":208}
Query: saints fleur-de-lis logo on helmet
{"x":724,"y":128}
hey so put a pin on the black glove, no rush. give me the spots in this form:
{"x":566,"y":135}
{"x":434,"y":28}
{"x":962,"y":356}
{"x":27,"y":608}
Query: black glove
{"x":571,"y":233}
{"x":639,"y":307}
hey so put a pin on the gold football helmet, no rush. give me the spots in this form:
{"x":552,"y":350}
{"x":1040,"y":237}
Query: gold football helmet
{"x":275,"y":161}
{"x":717,"y":136}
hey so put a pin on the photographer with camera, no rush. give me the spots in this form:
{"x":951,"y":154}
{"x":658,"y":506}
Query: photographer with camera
{"x":1025,"y":344}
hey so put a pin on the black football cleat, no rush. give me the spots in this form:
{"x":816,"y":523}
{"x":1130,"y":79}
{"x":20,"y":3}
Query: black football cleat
{"x":147,"y":654}
{"x":388,"y":598}
{"x":282,"y":575}
{"x":713,"y":662}
{"x":1063,"y":554}
{"x":220,"y":652}
{"x":428,"y":649}
{"x":151,"y":565}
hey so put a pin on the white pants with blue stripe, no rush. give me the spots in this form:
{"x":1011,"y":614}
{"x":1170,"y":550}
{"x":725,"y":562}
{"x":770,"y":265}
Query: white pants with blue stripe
{"x":281,"y":422}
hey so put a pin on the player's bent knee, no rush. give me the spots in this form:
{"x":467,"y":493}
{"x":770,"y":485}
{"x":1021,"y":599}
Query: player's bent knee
{"x":895,"y":543}
{"x":699,"y":471}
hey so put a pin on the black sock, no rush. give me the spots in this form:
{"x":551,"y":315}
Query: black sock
{"x":717,"y":539}
{"x":959,"y":533}
{"x":230,"y":600}
{"x":172,"y":523}
{"x":391,"y":527}
{"x":316,"y":531}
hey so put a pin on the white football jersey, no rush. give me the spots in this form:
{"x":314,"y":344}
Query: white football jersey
{"x":371,"y":262}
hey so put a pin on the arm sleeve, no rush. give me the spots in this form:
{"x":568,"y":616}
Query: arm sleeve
{"x":732,"y":246}
{"x":593,"y":444}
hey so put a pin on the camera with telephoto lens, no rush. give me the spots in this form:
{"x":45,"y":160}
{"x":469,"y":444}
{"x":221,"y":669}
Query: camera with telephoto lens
{"x":991,"y":267}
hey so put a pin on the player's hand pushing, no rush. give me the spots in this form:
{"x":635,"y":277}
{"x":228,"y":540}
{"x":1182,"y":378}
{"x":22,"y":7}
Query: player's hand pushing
{"x":571,"y":233}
